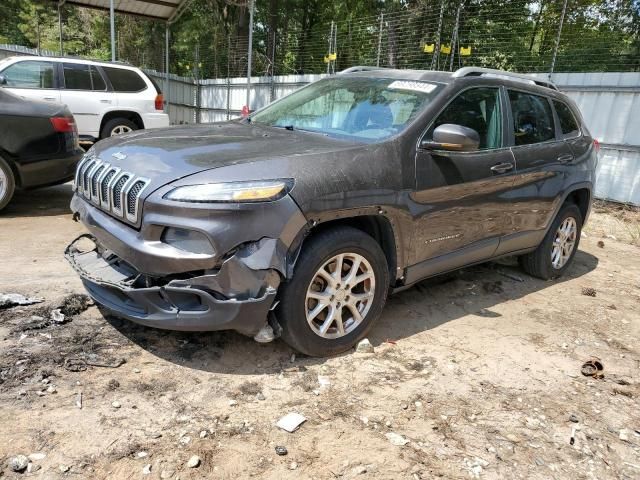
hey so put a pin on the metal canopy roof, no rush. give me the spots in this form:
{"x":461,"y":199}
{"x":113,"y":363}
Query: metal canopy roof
{"x":167,"y":10}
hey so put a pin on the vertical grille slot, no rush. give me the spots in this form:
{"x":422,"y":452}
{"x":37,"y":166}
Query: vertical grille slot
{"x":117,"y":191}
{"x":94,"y":182}
{"x":132,"y":196}
{"x":79,"y":171}
{"x":104,"y":186}
{"x":84,"y":174}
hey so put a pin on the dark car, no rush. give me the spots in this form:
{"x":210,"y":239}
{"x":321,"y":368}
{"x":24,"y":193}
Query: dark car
{"x":38,"y":144}
{"x":299,"y":220}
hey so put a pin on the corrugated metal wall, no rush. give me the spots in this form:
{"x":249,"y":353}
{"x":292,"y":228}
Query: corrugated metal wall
{"x":610,"y":104}
{"x":222,"y":99}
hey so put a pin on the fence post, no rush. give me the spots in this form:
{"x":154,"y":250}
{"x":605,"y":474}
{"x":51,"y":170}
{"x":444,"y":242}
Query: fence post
{"x":112,"y":25}
{"x":60,"y":28}
{"x":272,"y":90}
{"x":335,"y":47}
{"x":166,"y":69}
{"x":436,"y":55}
{"x":228,"y":78}
{"x":330,"y":48}
{"x":555,"y":50}
{"x":380,"y":38}
{"x":454,"y":36}
{"x":196,"y":74}
{"x":250,"y":53}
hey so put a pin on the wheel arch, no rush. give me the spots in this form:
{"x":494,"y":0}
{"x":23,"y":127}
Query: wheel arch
{"x":128,"y":114}
{"x":378,"y":226}
{"x":581,"y":196}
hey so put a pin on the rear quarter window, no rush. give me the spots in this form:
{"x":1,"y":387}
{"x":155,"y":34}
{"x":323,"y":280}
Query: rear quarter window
{"x":125,"y":80}
{"x":568,"y":122}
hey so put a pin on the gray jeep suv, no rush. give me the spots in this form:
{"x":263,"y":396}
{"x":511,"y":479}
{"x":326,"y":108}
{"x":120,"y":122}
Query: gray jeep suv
{"x":300,"y":219}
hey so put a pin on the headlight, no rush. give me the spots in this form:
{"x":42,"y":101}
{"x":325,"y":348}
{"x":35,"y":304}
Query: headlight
{"x":258,"y":191}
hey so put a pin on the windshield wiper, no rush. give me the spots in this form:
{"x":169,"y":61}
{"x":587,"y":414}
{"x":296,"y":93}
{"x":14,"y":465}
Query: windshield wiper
{"x":291,"y":128}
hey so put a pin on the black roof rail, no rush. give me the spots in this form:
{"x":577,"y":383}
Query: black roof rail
{"x":490,"y":72}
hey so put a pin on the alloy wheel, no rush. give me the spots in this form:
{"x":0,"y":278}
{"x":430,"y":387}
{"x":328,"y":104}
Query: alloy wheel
{"x":120,"y":129}
{"x":4,"y":182}
{"x":564,"y":242}
{"x":340,"y":295}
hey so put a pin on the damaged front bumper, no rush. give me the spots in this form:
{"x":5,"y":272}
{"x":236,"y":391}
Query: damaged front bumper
{"x":237,"y":296}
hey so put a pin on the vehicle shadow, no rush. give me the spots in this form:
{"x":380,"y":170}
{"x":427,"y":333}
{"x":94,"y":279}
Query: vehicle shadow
{"x":40,"y":202}
{"x":425,"y":306}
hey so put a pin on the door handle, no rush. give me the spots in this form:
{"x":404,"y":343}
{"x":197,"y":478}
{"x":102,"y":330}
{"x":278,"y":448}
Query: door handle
{"x":105,"y":101}
{"x":502,"y":167}
{"x":566,"y":158}
{"x":50,"y":99}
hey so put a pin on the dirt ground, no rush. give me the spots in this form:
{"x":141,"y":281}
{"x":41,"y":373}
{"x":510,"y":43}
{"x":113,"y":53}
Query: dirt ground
{"x":477,"y":375}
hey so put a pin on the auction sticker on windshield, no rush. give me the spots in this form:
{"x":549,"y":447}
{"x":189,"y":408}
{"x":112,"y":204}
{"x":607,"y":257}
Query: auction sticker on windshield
{"x":413,"y":86}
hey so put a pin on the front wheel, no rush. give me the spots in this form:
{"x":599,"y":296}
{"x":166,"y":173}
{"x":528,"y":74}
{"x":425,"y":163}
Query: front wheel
{"x":338,"y":290}
{"x":555,"y":254}
{"x":7,"y":184}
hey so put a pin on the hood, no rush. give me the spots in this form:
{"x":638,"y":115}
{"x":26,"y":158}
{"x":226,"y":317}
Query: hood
{"x":166,"y":155}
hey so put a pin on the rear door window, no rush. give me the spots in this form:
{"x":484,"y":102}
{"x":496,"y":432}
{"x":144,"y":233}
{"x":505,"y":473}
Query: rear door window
{"x":30,"y":74}
{"x":76,"y":76}
{"x":532,"y":118}
{"x":125,"y":80}
{"x":96,"y":80}
{"x":82,"y":77}
{"x":568,"y":123}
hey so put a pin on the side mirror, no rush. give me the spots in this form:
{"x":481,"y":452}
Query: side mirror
{"x":3,"y":80}
{"x":456,"y":138}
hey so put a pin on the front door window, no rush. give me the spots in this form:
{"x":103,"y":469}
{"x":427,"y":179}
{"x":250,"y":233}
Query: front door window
{"x":479,"y":109}
{"x":30,"y":74}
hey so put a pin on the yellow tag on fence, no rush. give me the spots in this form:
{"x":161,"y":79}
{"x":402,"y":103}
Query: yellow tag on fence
{"x":332,"y":56}
{"x":446,"y":49}
{"x":465,"y":52}
{"x":326,"y":59}
{"x":429,"y":48}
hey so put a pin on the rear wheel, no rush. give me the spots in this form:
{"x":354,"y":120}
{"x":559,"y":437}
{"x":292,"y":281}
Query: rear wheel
{"x":7,"y":184}
{"x":338,"y":290}
{"x":555,"y":254}
{"x":117,"y":126}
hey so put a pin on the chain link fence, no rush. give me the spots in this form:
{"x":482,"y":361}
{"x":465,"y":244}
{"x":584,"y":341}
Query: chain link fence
{"x":523,"y":36}
{"x":519,"y":35}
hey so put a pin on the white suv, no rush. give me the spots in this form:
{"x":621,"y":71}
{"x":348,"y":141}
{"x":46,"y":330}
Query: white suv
{"x":105,"y":98}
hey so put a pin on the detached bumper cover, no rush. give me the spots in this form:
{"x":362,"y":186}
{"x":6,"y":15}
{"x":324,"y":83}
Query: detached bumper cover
{"x":188,"y":305}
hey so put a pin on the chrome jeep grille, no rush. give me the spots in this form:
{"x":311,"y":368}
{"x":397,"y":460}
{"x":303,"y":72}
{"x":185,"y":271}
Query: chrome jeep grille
{"x":110,"y":188}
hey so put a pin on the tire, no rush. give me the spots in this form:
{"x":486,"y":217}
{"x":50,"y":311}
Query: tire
{"x":539,"y":262}
{"x":294,"y":304}
{"x":7,"y":184}
{"x":115,"y":123}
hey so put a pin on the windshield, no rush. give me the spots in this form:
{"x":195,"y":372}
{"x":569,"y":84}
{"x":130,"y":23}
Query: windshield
{"x":367,"y":109}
